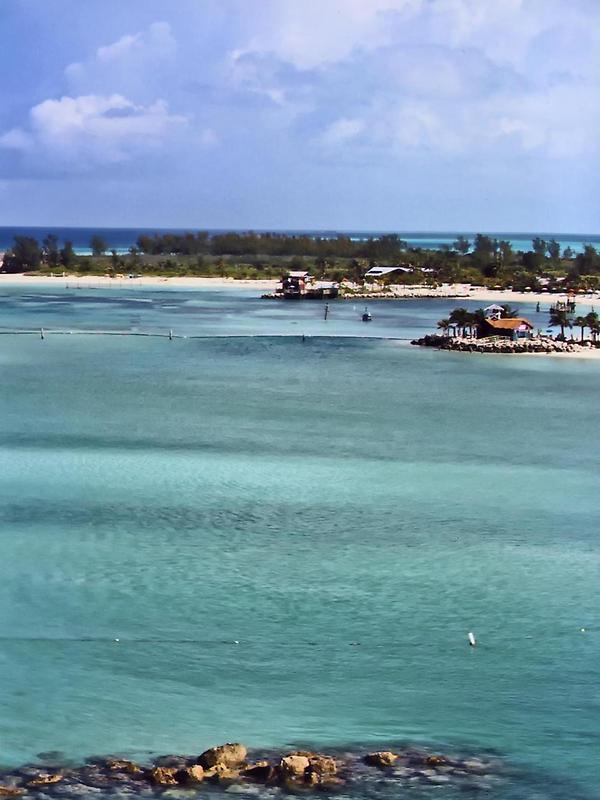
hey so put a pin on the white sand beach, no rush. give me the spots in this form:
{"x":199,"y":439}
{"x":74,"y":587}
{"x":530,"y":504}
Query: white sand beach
{"x":104,"y":281}
{"x":508,"y":296}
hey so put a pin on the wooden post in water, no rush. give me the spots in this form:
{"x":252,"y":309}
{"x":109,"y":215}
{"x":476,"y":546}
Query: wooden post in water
{"x":41,"y":333}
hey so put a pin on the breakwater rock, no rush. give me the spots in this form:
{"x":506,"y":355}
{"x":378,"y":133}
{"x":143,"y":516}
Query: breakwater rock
{"x":230,"y":767}
{"x":500,"y":345}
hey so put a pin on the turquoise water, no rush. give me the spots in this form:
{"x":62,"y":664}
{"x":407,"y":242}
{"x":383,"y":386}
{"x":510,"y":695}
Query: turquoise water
{"x":345,"y":510}
{"x":222,"y":312}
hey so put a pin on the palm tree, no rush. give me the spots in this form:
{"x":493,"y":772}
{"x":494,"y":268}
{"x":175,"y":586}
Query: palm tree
{"x":581,"y":322}
{"x":444,"y":325}
{"x":508,"y":312}
{"x":561,"y":319}
{"x":462,"y":318}
{"x":593,"y":323}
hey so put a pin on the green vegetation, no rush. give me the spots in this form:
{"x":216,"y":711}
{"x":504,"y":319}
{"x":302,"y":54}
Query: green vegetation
{"x":482,"y":261}
{"x":98,"y":246}
{"x":462,"y":321}
{"x":561,"y":318}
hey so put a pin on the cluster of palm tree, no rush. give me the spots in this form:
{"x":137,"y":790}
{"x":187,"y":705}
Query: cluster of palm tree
{"x":461,"y":320}
{"x":564,"y":319}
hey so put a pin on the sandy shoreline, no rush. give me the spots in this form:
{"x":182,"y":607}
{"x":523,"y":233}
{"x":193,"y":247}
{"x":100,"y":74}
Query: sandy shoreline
{"x":102,"y":281}
{"x":507,"y":296}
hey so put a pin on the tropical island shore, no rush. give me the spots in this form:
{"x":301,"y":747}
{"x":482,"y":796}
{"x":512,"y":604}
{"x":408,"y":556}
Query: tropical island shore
{"x":380,"y":266}
{"x":499,"y":329}
{"x":544,"y":346}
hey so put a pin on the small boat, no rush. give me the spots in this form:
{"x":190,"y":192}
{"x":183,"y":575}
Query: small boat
{"x":366,"y":317}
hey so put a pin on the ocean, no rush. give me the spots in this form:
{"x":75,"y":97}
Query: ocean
{"x":291,"y":539}
{"x":121,"y":239}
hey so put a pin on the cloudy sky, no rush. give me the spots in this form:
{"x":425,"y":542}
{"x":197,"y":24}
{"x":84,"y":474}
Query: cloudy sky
{"x":347,"y":114}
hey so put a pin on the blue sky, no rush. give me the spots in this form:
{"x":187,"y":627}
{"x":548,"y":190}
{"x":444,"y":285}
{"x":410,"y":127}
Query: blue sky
{"x":347,"y":114}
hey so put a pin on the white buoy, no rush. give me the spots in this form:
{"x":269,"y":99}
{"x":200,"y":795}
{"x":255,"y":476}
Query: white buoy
{"x":472,"y":639}
{"x":582,"y":630}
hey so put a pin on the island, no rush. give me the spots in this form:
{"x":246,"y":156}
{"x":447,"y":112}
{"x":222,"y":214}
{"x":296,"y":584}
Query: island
{"x":363,"y":267}
{"x":500,"y":329}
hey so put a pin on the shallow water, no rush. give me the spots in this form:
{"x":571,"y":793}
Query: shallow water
{"x":291,"y":541}
{"x":222,"y":312}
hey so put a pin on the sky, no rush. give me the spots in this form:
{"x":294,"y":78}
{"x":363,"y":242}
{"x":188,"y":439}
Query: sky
{"x":406,"y":115}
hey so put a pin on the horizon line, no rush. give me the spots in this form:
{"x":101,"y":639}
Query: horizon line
{"x":399,"y":232}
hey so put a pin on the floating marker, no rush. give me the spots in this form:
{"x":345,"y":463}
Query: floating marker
{"x":170,"y":335}
{"x":472,"y":639}
{"x":582,"y":630}
{"x":41,"y":333}
{"x":117,"y":640}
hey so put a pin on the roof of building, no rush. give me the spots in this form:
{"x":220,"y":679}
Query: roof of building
{"x":386,"y":270}
{"x":298,"y":274}
{"x":494,"y":307}
{"x":509,"y":323}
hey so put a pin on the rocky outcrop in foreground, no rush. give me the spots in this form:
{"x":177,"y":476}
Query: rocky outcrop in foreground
{"x":230,"y":765}
{"x":498,"y":345}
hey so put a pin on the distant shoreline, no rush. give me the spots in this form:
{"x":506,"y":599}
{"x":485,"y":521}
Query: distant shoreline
{"x":478,"y":294}
{"x":153,"y":281}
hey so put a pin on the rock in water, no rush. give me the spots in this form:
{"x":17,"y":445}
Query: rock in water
{"x":225,"y":755}
{"x":261,"y":771}
{"x":193,"y":774}
{"x":294,"y":765}
{"x":11,"y":791}
{"x":45,"y":779}
{"x":381,"y":759}
{"x":221,"y":774}
{"x":163,"y":776}
{"x":122,"y":765}
{"x":321,"y":770}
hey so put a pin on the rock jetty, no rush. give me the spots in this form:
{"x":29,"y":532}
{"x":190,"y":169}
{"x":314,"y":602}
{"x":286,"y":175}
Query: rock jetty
{"x":501,"y":345}
{"x":230,"y":765}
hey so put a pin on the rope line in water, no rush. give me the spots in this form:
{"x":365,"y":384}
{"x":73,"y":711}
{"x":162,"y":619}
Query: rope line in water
{"x":170,"y":335}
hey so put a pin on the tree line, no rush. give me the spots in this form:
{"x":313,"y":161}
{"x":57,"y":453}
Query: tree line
{"x":388,"y":246}
{"x":481,"y":259}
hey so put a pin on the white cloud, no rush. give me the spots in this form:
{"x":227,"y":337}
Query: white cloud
{"x":447,"y":77}
{"x":82,"y":132}
{"x":117,"y":49}
{"x":310,"y":33}
{"x":157,"y":38}
{"x":342,"y":130}
{"x":315,"y":33}
{"x":129,"y":65}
